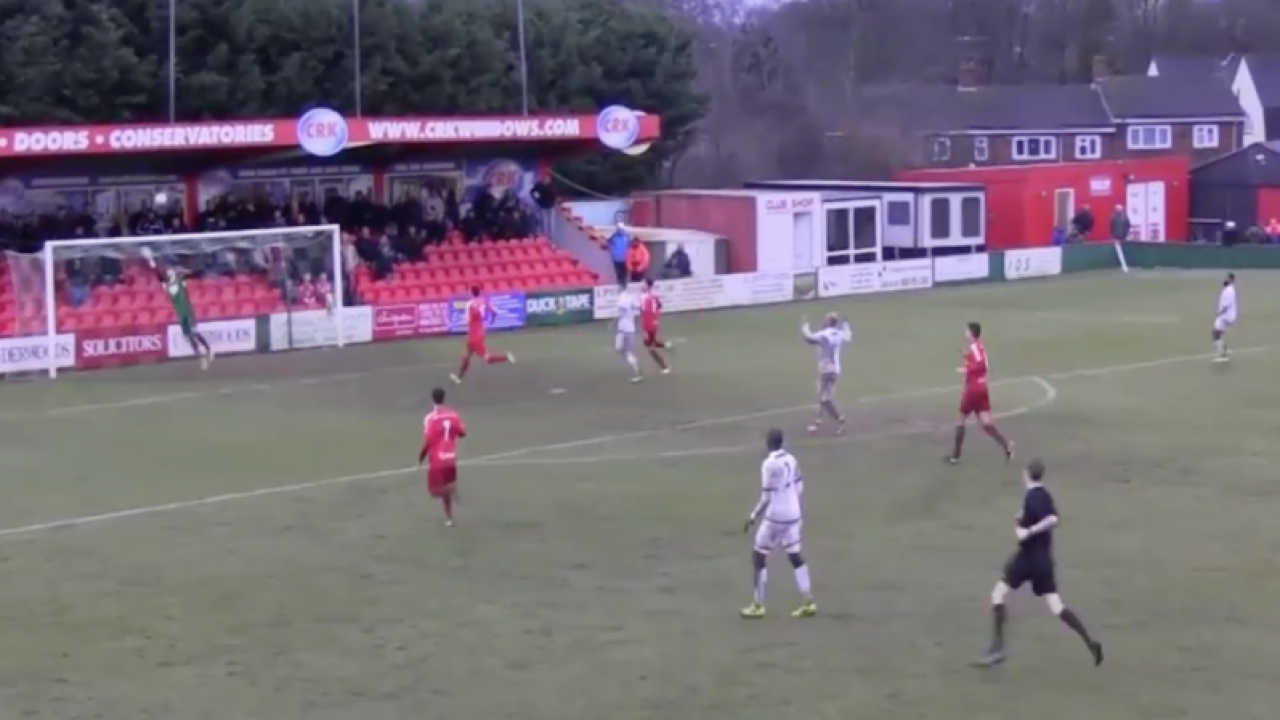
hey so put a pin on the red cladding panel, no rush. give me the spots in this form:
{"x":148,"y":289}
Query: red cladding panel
{"x":643,"y":211}
{"x":1268,"y":206}
{"x":1020,"y":199}
{"x":729,"y":215}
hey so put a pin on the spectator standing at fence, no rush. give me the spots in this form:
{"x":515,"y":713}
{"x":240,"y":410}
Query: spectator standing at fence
{"x":1120,"y":225}
{"x":619,"y":244}
{"x":637,"y":261}
{"x":1273,"y":230}
{"x":1082,"y":223}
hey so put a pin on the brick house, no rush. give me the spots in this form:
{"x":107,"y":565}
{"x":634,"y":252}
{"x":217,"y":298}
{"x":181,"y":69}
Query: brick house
{"x":973,"y":124}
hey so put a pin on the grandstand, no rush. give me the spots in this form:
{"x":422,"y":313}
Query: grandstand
{"x":447,"y":271}
{"x":231,"y":287}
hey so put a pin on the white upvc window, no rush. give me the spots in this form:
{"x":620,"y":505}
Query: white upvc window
{"x":1150,"y":137}
{"x":981,"y":149}
{"x":1088,"y":147}
{"x":1204,"y":137}
{"x":1035,"y":148}
{"x":941,"y":149}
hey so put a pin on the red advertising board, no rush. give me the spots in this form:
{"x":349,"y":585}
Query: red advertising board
{"x":114,"y":347}
{"x":323,"y":128}
{"x":402,"y":321}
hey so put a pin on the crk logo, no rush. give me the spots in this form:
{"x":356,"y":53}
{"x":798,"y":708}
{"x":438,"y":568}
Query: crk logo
{"x":322,"y":132}
{"x":618,"y":127}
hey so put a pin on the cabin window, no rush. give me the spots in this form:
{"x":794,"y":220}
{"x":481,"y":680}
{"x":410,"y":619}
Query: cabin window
{"x":899,"y":213}
{"x":839,"y":239}
{"x":971,"y":217}
{"x":940,"y":218}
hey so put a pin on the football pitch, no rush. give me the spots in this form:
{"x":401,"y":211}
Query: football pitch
{"x":253,"y":543}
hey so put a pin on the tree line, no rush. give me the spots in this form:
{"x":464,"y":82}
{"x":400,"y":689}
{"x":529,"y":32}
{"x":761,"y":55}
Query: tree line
{"x":106,"y":61}
{"x":747,"y":88}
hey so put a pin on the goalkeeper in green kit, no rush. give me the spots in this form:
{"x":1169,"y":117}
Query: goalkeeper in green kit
{"x":175,"y":286}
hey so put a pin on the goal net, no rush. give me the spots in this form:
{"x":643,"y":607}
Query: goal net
{"x":92,"y":303}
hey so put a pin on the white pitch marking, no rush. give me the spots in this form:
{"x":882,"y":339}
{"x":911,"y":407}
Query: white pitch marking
{"x":298,"y":487}
{"x":1050,"y":395}
{"x":502,"y":458}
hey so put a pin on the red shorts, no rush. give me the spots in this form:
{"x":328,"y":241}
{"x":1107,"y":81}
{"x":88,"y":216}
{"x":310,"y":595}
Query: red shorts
{"x":651,"y":337}
{"x":974,"y":401}
{"x":440,"y":480}
{"x":476,"y":346}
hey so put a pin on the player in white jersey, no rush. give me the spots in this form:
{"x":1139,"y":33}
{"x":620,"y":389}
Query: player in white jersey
{"x":628,"y":306}
{"x":1226,"y":317}
{"x":780,"y":515}
{"x":833,"y":336}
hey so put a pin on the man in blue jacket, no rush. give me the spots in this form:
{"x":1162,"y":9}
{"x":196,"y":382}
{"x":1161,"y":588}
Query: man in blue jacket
{"x":619,"y":243}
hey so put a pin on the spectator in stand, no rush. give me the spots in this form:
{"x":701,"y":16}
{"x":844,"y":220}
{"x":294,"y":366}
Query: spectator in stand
{"x":306,"y":293}
{"x":225,"y":263}
{"x":408,"y":243}
{"x":619,"y":243}
{"x":471,"y":226}
{"x":8,"y":230}
{"x":77,"y":283}
{"x":677,"y":265}
{"x":637,"y":261}
{"x":306,"y":211}
{"x":371,"y":250}
{"x":324,"y":290}
{"x":1120,"y":226}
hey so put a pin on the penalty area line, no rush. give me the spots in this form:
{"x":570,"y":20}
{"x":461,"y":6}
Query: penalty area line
{"x":102,"y":518}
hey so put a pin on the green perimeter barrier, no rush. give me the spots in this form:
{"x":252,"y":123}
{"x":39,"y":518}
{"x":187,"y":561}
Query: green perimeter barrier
{"x":1202,"y":257}
{"x":1024,"y":263}
{"x":562,"y":307}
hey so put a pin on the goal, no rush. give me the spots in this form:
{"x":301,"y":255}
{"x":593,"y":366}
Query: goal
{"x":89,"y":303}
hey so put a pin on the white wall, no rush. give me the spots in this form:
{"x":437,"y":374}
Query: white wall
{"x":568,"y":236}
{"x":598,"y":212}
{"x":1255,"y":130}
{"x":777,"y":247}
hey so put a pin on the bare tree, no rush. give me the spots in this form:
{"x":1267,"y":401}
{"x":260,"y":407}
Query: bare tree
{"x":784,"y":77}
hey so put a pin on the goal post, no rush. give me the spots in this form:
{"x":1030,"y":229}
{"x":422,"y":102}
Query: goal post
{"x":82,"y":288}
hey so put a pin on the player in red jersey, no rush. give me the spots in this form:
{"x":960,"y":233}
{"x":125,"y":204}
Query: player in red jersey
{"x":479,"y":313}
{"x":976,"y":399}
{"x":441,"y":430}
{"x":650,"y":311}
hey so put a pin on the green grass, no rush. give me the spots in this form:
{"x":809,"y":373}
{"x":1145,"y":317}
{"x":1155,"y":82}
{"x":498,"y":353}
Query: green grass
{"x":600,"y":578}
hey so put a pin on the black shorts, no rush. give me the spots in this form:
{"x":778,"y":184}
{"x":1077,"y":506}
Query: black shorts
{"x":1031,"y":567}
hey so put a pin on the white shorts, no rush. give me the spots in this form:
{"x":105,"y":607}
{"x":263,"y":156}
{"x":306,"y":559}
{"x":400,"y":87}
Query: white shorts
{"x":773,"y":537}
{"x":1222,"y":322}
{"x":623,"y":341}
{"x":827,"y":386}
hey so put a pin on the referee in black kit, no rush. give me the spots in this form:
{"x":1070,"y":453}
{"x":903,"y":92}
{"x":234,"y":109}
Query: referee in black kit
{"x":1033,"y":563}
